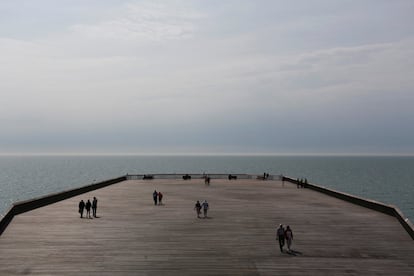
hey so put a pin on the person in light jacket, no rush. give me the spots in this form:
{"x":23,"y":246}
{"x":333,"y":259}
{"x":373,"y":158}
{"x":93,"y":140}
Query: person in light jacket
{"x":288,"y":236}
{"x":205,"y":208}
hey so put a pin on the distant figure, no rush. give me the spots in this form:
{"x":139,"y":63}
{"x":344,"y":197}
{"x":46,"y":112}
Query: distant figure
{"x":197,"y":207}
{"x":155,"y":197}
{"x":205,"y":208}
{"x":81,"y":207}
{"x":281,"y":237}
{"x":207,"y":180}
{"x":160,"y":198}
{"x":88,"y":209}
{"x":288,"y":236}
{"x":94,"y":206}
{"x":232,"y":177}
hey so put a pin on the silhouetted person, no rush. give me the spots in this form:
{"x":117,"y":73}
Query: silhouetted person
{"x":205,"y":208}
{"x":197,"y":207}
{"x":155,"y":197}
{"x":160,"y":198}
{"x":94,"y":206}
{"x":81,"y":207}
{"x":281,"y":237}
{"x":232,"y":177}
{"x":88,"y":209}
{"x":288,"y":236}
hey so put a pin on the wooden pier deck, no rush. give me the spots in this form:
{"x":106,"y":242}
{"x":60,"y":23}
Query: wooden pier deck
{"x":134,"y":237}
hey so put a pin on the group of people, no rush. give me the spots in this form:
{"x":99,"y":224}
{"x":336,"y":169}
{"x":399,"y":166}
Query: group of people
{"x":301,"y":183}
{"x":283,"y":234}
{"x":157,"y":197}
{"x":88,"y":206}
{"x":198,"y":206}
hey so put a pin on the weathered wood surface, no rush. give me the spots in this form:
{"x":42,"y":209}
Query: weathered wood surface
{"x":134,"y":237}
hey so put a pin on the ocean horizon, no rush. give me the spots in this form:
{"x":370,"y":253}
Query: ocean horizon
{"x":383,"y":178}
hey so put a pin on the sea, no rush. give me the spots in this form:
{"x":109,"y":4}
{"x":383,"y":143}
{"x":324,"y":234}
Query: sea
{"x":387,"y":179}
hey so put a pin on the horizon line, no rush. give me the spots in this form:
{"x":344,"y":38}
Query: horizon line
{"x":24,"y":154}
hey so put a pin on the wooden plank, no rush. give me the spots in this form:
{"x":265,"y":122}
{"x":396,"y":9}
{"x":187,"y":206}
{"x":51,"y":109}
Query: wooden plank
{"x":134,"y":237}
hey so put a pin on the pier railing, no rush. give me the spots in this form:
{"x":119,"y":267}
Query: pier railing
{"x":195,"y":176}
{"x":28,"y":205}
{"x":371,"y":204}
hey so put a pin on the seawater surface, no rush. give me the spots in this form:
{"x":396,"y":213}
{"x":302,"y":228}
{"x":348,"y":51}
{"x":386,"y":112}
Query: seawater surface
{"x":385,"y":179}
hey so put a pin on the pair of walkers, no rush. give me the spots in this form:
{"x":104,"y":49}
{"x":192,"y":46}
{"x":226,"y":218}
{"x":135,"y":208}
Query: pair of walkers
{"x":157,"y":197}
{"x":88,"y":206}
{"x":198,"y":206}
{"x":283,"y":234}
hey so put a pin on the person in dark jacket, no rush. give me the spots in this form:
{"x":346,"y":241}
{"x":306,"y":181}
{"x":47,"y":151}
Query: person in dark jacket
{"x":160,"y":195}
{"x":155,"y":197}
{"x":94,"y":206}
{"x":197,"y":207}
{"x":81,"y":207}
{"x":88,"y":208}
{"x":281,"y":237}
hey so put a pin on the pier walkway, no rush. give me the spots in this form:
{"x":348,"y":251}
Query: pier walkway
{"x":131,"y":236}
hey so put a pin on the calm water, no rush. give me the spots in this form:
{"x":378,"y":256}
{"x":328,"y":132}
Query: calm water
{"x":385,"y":179}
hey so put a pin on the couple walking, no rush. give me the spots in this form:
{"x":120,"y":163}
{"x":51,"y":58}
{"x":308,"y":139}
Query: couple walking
{"x":284,"y":234}
{"x":157,"y":196}
{"x":203,"y":206}
{"x":88,"y":205}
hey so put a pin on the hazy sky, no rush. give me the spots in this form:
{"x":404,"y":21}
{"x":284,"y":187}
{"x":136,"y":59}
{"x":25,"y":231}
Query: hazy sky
{"x":109,"y":76}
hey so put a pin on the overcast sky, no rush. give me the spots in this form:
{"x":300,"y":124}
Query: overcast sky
{"x":301,"y":77}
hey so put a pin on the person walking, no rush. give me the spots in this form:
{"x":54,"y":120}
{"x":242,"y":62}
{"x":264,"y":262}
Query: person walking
{"x":81,"y":207}
{"x":281,"y":237}
{"x":205,"y":208}
{"x":88,"y":208}
{"x":288,"y":236}
{"x":160,"y":195}
{"x":197,"y":207}
{"x":155,"y":197}
{"x":94,"y":206}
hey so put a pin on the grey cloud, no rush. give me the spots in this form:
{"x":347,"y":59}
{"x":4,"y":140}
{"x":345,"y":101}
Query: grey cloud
{"x":142,"y":22}
{"x":272,"y":77}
